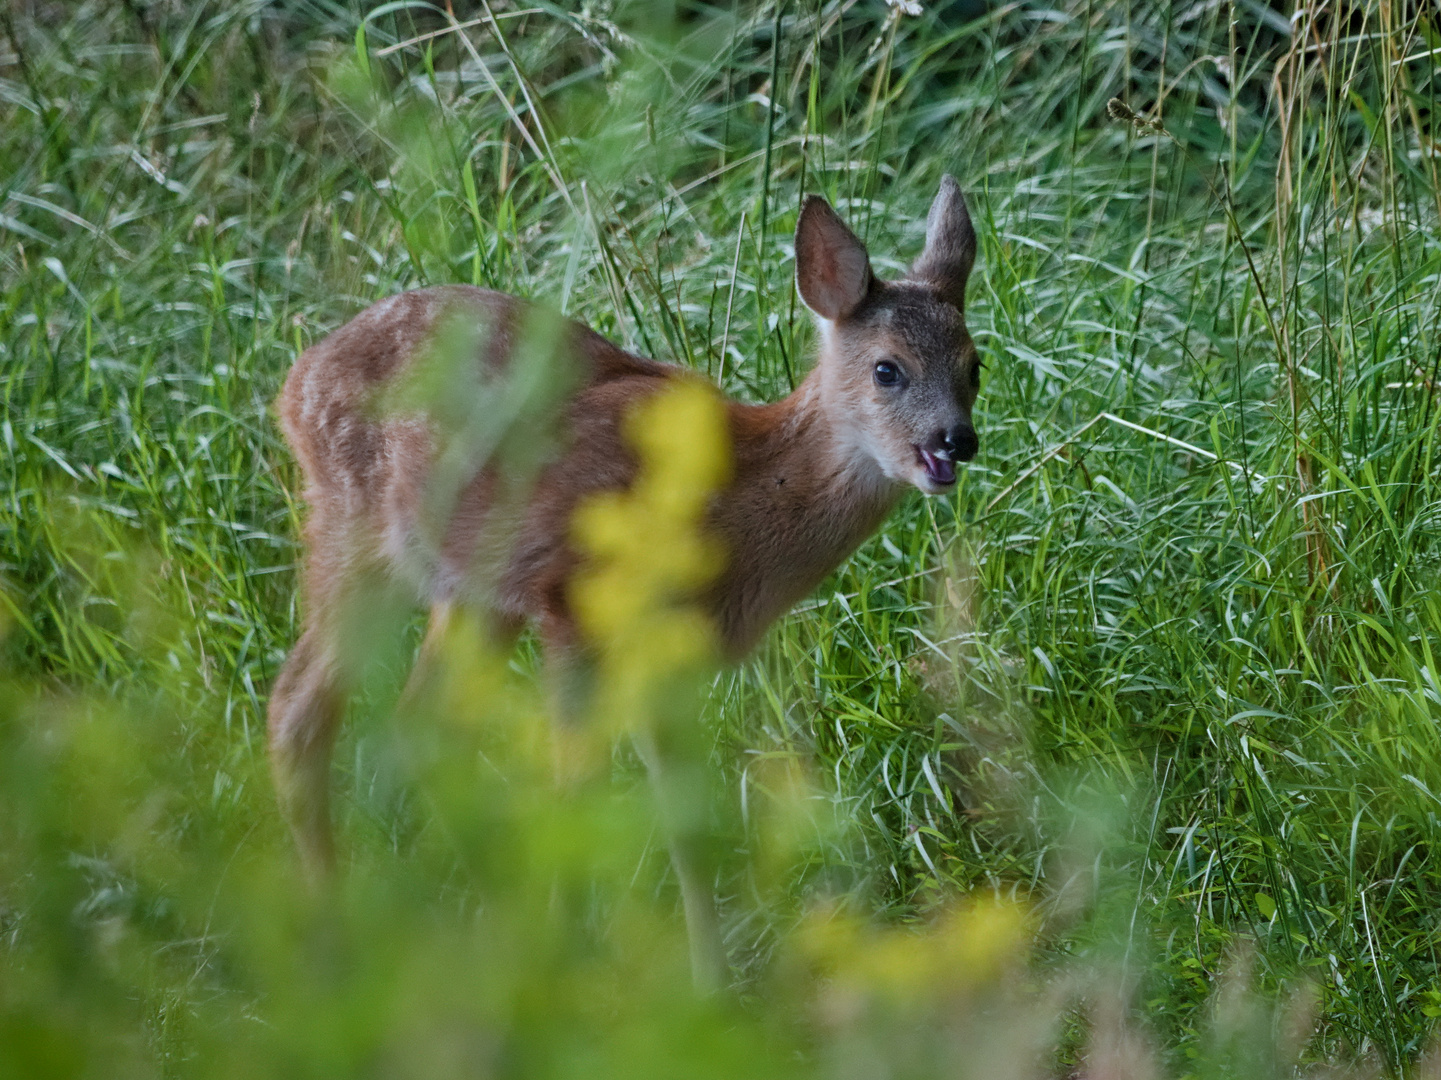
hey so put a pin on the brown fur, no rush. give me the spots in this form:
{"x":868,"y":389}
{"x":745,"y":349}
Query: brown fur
{"x":814,"y":474}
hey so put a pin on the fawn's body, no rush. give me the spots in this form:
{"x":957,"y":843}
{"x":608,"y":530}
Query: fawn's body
{"x":798,"y":505}
{"x":887,"y":405}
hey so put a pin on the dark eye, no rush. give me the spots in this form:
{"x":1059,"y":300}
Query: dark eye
{"x":888,"y":374}
{"x":976,"y":373}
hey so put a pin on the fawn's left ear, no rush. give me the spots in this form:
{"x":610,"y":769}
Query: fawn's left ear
{"x":950,"y":244}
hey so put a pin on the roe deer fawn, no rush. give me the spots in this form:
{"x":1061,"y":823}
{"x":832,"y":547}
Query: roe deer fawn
{"x":888,"y":404}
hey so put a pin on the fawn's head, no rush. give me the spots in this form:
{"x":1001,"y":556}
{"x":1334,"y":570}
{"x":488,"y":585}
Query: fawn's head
{"x":897,"y":367}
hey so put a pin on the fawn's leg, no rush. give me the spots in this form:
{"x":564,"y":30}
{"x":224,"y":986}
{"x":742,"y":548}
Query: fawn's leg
{"x":304,"y":715}
{"x":422,"y":674}
{"x":496,"y":633}
{"x":680,"y":802}
{"x":308,"y":699}
{"x":683,"y":817}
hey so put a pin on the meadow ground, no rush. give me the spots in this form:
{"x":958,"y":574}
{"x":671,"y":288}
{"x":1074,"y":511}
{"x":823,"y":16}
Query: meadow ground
{"x":1123,"y":760}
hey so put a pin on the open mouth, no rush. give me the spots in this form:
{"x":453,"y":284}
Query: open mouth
{"x":940,"y":469}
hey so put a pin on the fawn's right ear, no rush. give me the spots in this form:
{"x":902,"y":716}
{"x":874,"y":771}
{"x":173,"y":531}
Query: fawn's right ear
{"x":833,"y":271}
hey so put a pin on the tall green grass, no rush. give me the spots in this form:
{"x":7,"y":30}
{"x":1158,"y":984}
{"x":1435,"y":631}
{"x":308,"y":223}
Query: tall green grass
{"x":1162,"y":669}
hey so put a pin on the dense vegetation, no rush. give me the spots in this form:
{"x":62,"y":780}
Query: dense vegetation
{"x":1124,"y":759}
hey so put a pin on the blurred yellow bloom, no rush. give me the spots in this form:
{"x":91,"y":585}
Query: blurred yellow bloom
{"x":966,"y":950}
{"x":649,"y":557}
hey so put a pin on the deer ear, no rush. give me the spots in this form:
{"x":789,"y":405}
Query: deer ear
{"x":833,"y":271}
{"x":950,"y":244}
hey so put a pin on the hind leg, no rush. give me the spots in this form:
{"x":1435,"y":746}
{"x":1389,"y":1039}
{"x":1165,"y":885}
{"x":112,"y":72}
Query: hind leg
{"x":304,"y":715}
{"x":422,"y":676}
{"x":342,"y":591}
{"x":496,"y":633}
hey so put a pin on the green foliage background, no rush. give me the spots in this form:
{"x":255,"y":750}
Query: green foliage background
{"x":1162,"y":671}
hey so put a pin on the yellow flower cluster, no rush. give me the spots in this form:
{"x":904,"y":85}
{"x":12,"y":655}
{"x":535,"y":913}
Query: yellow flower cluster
{"x":965,"y":952}
{"x":649,"y":557}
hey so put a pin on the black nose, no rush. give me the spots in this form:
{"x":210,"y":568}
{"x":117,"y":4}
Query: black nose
{"x":961,"y":441}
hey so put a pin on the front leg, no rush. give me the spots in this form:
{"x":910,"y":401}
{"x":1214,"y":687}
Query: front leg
{"x":682,"y":803}
{"x":684,"y":816}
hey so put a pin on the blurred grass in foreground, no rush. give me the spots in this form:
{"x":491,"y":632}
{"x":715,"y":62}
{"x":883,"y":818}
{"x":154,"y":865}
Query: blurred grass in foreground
{"x":1162,"y":675}
{"x":526,"y":929}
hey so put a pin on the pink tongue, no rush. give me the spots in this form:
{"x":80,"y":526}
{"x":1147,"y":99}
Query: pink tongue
{"x":939,"y":469}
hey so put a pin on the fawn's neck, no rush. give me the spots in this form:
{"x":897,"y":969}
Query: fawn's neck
{"x":817,"y":449}
{"x":806,"y":494}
